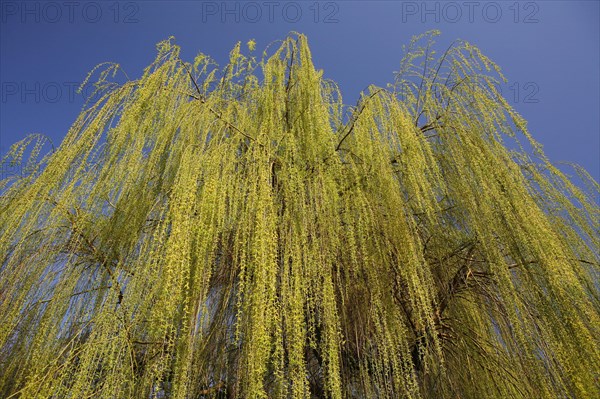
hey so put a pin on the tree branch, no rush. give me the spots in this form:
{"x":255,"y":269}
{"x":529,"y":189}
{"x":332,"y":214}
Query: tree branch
{"x":355,"y":118}
{"x":203,"y":101}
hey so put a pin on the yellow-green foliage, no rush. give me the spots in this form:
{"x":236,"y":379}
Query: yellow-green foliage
{"x":234,"y":233}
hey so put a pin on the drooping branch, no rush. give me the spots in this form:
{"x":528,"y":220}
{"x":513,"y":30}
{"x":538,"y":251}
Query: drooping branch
{"x":355,"y":117}
{"x":202,"y":100}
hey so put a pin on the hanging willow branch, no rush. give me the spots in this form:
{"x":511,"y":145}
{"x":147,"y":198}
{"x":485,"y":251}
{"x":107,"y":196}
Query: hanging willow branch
{"x":205,"y":234}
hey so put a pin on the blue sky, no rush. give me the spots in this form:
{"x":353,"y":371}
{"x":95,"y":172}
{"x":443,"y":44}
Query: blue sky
{"x":548,"y":50}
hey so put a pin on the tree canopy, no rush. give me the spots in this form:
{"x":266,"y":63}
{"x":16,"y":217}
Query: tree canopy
{"x":241,"y":232}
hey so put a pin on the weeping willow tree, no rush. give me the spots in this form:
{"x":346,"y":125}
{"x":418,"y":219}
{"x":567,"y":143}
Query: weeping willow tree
{"x":240,"y":232}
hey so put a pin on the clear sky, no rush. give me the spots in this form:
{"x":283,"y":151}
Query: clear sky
{"x":548,"y":50}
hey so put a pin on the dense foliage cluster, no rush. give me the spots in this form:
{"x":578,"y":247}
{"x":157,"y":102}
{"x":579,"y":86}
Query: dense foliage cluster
{"x":240,"y":232}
